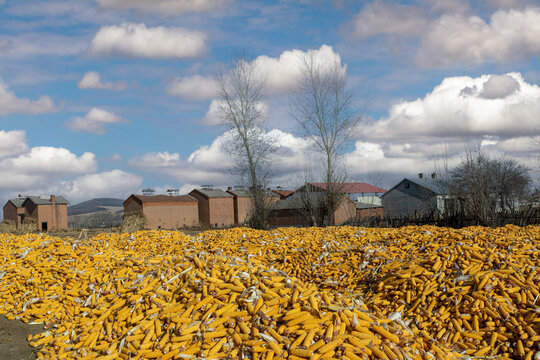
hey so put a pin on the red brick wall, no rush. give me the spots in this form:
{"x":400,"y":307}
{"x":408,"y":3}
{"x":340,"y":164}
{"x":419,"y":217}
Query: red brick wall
{"x":242,"y":210}
{"x":221,"y":211}
{"x":368,"y":213}
{"x":171,"y":215}
{"x":345,"y":211}
{"x":204,"y":211}
{"x":10,"y":213}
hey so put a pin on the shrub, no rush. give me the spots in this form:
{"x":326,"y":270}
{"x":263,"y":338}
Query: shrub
{"x":133,"y":222}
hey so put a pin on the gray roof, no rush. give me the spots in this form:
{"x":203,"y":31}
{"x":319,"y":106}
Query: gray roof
{"x":289,"y":203}
{"x":46,"y":200}
{"x":435,"y":185}
{"x":18,"y":201}
{"x":212,"y":193}
{"x":361,"y":205}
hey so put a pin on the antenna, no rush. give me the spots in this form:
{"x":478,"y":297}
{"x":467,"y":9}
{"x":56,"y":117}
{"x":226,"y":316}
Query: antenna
{"x":148,"y":192}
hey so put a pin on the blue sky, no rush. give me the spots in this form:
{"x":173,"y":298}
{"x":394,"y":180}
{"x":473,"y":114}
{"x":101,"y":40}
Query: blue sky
{"x":102,"y":98}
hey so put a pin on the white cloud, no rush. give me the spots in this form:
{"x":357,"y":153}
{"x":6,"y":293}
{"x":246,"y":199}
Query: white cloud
{"x":95,"y":121}
{"x":509,"y":35}
{"x":458,"y":108}
{"x":10,"y":103}
{"x":41,"y":165}
{"x":137,"y":40}
{"x":168,"y":7}
{"x":213,"y":115}
{"x":12,"y":143}
{"x":194,"y":87}
{"x":115,"y":183}
{"x":283,"y":73}
{"x":92,"y":80}
{"x":389,"y":18}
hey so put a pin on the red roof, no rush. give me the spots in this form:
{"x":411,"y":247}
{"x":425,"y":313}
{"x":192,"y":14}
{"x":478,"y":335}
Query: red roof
{"x":165,"y":198}
{"x":354,"y":187}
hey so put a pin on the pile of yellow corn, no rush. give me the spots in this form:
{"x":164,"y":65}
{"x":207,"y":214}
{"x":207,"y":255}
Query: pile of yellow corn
{"x":291,"y":293}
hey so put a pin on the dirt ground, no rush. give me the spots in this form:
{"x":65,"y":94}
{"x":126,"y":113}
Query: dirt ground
{"x":13,"y":344}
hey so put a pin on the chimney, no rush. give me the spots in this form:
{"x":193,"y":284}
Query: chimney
{"x":420,"y":175}
{"x":53,"y":198}
{"x":433,"y":175}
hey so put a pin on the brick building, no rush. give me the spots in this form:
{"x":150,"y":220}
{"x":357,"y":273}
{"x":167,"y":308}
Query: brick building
{"x":164,"y":211}
{"x":243,"y":204}
{"x":290,"y":212}
{"x":216,"y":207}
{"x":49,"y":211}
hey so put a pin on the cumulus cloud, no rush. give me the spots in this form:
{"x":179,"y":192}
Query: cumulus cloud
{"x":389,"y":18}
{"x":194,"y":87}
{"x":212,"y":163}
{"x":499,"y":87}
{"x":213,"y":115}
{"x":114,"y":183}
{"x":509,"y":35}
{"x":10,"y":103}
{"x":137,"y":40}
{"x":176,"y":7}
{"x":43,"y":164}
{"x":95,"y":121}
{"x":12,"y":143}
{"x":92,"y":80}
{"x":465,"y":106}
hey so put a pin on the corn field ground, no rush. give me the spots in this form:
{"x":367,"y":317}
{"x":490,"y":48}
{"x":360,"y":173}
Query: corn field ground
{"x":417,"y":292}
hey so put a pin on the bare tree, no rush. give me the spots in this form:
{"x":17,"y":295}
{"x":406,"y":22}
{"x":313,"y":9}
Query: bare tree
{"x":485,"y":187}
{"x":240,"y":94}
{"x":323,"y":109}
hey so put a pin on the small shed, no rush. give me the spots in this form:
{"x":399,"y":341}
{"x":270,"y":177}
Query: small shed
{"x":164,"y":211}
{"x":367,"y":210}
{"x":14,"y":211}
{"x":216,"y":207}
{"x":50,"y":211}
{"x":416,"y":197}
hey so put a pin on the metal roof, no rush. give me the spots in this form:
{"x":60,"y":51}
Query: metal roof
{"x":46,"y":200}
{"x":213,"y":193}
{"x":353,"y":187}
{"x":18,"y":201}
{"x":361,"y":205}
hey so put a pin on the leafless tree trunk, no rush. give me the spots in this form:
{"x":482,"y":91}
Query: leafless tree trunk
{"x":241,"y":91}
{"x":323,"y":109}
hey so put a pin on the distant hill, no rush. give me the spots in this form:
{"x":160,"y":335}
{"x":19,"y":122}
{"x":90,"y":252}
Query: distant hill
{"x":96,"y":205}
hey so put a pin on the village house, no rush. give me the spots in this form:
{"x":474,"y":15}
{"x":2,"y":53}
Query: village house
{"x":283,"y":194}
{"x":243,"y":204}
{"x":164,"y":211}
{"x":216,"y":207}
{"x":360,"y":192}
{"x":49,"y":211}
{"x":417,"y":197}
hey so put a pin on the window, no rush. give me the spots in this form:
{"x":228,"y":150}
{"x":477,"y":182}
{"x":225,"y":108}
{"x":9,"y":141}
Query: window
{"x":44,"y":226}
{"x":407,"y":185}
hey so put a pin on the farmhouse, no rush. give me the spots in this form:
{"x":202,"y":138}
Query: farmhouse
{"x":422,"y":196}
{"x":14,"y":211}
{"x":164,"y":211}
{"x":49,"y":211}
{"x":216,"y":207}
{"x":243,"y":203}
